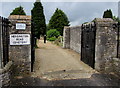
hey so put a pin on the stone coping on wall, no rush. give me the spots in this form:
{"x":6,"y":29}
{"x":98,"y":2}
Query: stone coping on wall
{"x":20,"y":19}
{"x":103,"y":19}
{"x":13,"y":17}
{"x":73,"y":26}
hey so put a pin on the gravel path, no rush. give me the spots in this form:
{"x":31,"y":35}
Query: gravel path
{"x":55,"y":63}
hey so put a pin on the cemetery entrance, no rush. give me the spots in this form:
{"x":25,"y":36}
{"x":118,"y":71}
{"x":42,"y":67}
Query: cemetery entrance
{"x":88,"y":44}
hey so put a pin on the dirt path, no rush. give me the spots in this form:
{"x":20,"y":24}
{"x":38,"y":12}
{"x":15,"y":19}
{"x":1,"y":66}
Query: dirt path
{"x":53,"y":62}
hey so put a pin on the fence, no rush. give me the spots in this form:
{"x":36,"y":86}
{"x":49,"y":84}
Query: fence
{"x":4,"y":41}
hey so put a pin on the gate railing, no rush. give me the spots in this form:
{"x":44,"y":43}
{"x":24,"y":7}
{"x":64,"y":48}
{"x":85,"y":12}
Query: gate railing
{"x":4,"y":41}
{"x":88,"y":43}
{"x":33,"y":44}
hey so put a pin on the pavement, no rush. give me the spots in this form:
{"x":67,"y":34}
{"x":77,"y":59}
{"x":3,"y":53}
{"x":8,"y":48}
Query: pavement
{"x":55,"y":66}
{"x":96,"y":80}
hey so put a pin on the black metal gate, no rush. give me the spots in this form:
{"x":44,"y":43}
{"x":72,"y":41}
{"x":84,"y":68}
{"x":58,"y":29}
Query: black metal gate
{"x":118,"y":41}
{"x":88,"y":44}
{"x":4,"y":40}
{"x":32,"y":45}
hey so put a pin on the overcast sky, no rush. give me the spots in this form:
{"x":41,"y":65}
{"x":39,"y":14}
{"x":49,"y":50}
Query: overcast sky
{"x":77,"y":12}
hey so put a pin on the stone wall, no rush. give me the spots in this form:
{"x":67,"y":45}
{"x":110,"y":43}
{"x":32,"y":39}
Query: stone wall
{"x":116,"y":66}
{"x":66,"y":37}
{"x":6,"y":75}
{"x":72,"y":38}
{"x":107,"y":52}
{"x":20,"y":54}
{"x":75,"y":38}
{"x":106,"y":46}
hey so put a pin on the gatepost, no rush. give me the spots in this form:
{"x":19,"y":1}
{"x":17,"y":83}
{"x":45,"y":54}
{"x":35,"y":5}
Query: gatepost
{"x":20,"y":43}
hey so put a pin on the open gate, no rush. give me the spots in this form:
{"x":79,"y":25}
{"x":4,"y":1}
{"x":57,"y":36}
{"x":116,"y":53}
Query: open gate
{"x":32,"y":45}
{"x":4,"y":41}
{"x":88,"y":44}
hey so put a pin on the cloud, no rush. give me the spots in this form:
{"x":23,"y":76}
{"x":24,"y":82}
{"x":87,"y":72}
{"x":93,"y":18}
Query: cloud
{"x":60,"y":0}
{"x":77,"y":12}
{"x":8,"y":7}
{"x":80,"y":12}
{"x":1,"y":9}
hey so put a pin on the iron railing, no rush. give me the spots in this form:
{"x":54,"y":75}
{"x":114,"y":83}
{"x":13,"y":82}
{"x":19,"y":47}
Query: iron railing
{"x":4,"y":41}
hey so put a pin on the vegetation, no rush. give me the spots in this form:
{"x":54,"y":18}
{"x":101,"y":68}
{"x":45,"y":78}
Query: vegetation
{"x":38,"y":19}
{"x":58,"y":21}
{"x":18,"y":11}
{"x":59,"y":41}
{"x":52,"y":39}
{"x":116,"y":19}
{"x":52,"y":35}
{"x":108,"y":14}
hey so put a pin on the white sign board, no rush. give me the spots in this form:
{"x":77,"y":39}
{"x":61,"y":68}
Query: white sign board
{"x":20,"y":39}
{"x":20,"y":26}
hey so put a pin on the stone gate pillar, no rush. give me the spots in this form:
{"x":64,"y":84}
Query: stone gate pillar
{"x":106,"y":44}
{"x":20,"y":43}
{"x":66,"y":37}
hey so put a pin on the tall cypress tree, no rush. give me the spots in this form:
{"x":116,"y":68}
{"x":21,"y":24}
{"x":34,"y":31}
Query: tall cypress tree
{"x":18,"y":11}
{"x":108,"y":14}
{"x":58,"y":21}
{"x":38,"y":19}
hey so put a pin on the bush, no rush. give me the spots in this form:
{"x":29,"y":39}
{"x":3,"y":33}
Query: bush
{"x":59,"y":41}
{"x":52,"y":34}
{"x":52,"y":39}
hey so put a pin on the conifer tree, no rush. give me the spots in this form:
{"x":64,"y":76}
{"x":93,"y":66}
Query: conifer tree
{"x":58,"y":21}
{"x":38,"y":19}
{"x":108,"y":14}
{"x":18,"y":11}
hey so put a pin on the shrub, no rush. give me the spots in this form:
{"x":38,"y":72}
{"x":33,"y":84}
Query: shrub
{"x":59,"y":41}
{"x":53,"y":33}
{"x":52,"y":39}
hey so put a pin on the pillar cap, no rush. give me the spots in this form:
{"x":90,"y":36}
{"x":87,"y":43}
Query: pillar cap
{"x":103,"y":20}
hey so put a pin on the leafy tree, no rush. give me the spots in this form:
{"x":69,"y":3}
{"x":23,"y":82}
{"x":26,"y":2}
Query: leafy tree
{"x":58,"y":21}
{"x":116,"y":19}
{"x":18,"y":11}
{"x":38,"y":19}
{"x":108,"y":14}
{"x":52,"y":33}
